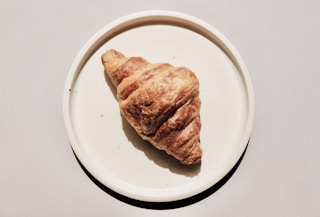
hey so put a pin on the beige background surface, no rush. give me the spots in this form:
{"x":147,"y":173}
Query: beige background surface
{"x":280,"y":172}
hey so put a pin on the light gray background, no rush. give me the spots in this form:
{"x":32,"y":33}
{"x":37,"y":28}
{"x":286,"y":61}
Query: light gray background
{"x":280,"y":173}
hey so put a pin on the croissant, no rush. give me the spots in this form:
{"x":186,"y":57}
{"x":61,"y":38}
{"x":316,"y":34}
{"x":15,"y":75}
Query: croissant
{"x":160,"y":101}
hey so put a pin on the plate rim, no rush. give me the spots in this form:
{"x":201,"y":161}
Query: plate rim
{"x":120,"y":25}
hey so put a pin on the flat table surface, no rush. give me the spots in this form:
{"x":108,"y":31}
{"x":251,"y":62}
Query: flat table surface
{"x":279,"y":174}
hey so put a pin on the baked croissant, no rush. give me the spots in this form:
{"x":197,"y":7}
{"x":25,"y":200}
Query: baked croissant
{"x":160,"y":101}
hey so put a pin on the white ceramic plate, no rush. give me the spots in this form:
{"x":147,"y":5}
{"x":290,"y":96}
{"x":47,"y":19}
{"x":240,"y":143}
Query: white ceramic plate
{"x":110,"y":149}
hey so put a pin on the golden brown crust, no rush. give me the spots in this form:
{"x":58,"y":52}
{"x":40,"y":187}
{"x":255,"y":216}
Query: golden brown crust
{"x":160,"y":101}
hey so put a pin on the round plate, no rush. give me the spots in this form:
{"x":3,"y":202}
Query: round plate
{"x":110,"y":149}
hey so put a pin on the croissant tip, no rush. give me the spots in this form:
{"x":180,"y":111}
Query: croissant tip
{"x":110,"y":55}
{"x":192,"y":161}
